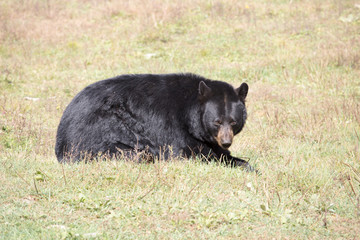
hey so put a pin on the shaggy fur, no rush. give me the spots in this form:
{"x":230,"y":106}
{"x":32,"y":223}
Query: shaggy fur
{"x":180,"y":114}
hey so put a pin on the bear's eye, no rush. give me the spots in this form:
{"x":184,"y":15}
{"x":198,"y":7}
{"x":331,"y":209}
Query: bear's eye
{"x":233,"y":123}
{"x":217,"y":122}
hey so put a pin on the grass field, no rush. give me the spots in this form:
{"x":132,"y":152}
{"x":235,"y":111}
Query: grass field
{"x":301,"y":59}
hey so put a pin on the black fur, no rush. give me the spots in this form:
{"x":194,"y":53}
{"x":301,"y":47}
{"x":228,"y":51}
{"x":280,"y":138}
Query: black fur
{"x":148,"y":113}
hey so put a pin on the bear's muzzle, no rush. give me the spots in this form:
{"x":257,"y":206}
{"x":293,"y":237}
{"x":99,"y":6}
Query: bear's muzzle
{"x":225,"y":136}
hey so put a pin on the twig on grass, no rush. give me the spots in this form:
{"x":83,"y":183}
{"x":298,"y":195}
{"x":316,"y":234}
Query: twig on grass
{"x":17,"y":173}
{"x":189,"y":195}
{"x":62,"y":166}
{"x":277,"y":193}
{"x":138,"y":175}
{"x":357,"y":196}
{"x":325,"y":221}
{"x":37,"y":191}
{"x":150,"y":190}
{"x":196,"y":185}
{"x":43,"y":172}
{"x":352,"y":168}
{"x":352,"y":186}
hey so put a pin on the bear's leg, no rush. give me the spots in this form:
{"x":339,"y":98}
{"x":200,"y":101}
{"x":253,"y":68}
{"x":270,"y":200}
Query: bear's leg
{"x":238,"y":162}
{"x":232,"y":161}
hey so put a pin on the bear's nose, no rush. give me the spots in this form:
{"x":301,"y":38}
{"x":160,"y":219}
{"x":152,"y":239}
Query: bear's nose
{"x":226,"y":144}
{"x":225,"y":136}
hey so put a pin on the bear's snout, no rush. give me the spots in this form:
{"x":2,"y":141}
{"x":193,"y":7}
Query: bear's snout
{"x":226,"y":144}
{"x":225,"y":137}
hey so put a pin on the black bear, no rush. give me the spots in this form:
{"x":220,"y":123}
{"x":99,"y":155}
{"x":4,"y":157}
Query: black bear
{"x":186,"y":114}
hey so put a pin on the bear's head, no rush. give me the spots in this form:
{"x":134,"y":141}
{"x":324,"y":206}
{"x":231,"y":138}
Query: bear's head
{"x":223,"y":111}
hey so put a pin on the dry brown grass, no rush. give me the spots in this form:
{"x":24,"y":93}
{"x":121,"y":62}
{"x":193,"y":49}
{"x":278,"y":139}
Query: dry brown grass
{"x":301,"y":60}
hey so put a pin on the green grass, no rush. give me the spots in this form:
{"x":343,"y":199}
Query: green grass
{"x":301,"y":60}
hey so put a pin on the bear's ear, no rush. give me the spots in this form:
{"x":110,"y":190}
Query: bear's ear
{"x":242,"y":91}
{"x":204,"y":91}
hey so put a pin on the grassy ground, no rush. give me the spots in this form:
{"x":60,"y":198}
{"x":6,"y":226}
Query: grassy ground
{"x":301,"y":60}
